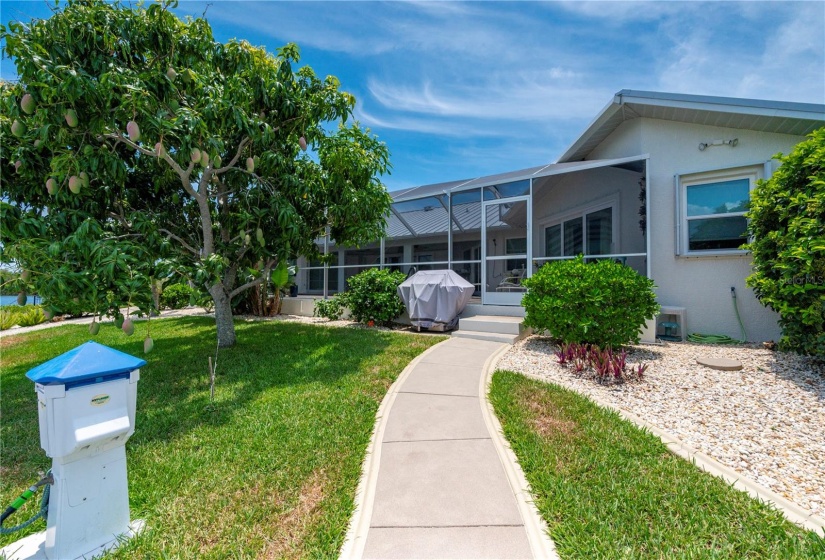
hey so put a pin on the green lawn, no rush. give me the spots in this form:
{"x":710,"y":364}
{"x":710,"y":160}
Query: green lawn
{"x":269,"y":471}
{"x":608,"y":489}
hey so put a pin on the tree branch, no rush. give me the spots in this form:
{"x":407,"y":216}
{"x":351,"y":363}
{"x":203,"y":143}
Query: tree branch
{"x":120,"y":218}
{"x":184,"y":174}
{"x":202,"y":197}
{"x":241,"y":252}
{"x":185,"y":245}
{"x":125,"y":236}
{"x":235,"y":159}
{"x":118,"y":138}
{"x":258,"y":281}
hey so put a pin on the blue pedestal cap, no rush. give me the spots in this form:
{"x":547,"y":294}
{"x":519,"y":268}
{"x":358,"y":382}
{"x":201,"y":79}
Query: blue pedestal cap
{"x":85,"y":363}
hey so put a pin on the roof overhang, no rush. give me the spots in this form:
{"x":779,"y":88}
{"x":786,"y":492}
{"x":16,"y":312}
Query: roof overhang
{"x":781,"y":117}
{"x":520,"y":175}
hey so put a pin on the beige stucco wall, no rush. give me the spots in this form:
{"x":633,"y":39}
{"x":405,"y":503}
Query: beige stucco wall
{"x":700,"y":284}
{"x":625,"y":141}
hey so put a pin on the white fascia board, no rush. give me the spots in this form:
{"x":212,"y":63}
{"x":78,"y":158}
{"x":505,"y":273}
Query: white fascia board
{"x":604,"y":115}
{"x":725,"y":108}
{"x":754,"y":107}
{"x":589,"y":164}
{"x":553,"y":169}
{"x":763,"y":108}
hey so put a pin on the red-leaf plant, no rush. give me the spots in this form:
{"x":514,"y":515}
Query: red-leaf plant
{"x":607,"y":365}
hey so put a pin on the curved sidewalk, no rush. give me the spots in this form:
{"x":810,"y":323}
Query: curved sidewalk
{"x":439,"y":480}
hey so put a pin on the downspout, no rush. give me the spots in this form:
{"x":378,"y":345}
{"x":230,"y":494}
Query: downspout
{"x":326,"y":264}
{"x":529,"y":264}
{"x":648,"y":193}
{"x":449,"y":208}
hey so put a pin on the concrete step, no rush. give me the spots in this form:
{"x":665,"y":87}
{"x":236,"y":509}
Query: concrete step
{"x":492,"y":337}
{"x":492,"y":323}
{"x":473,"y":309}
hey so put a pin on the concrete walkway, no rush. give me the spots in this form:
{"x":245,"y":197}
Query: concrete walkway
{"x":439,"y":480}
{"x":166,"y":314}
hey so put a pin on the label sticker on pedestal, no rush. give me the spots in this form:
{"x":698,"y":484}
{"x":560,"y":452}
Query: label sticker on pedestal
{"x":99,"y":400}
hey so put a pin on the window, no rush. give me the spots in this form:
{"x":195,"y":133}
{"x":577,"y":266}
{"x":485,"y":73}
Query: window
{"x":507,"y":190}
{"x":589,"y":233}
{"x":316,"y":276}
{"x":599,"y":232}
{"x":713,"y":215}
{"x":515,"y":246}
{"x":552,"y":241}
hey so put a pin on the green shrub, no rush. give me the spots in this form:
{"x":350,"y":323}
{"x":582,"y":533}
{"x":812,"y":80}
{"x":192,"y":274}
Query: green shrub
{"x":7,"y":319}
{"x":373,"y":296}
{"x":786,"y":221}
{"x":26,"y":316}
{"x":30,"y":315}
{"x":178,"y":296}
{"x":602,"y":302}
{"x":330,"y":308}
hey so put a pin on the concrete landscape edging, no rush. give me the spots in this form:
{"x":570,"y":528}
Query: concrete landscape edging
{"x":793,"y":512}
{"x":538,"y":534}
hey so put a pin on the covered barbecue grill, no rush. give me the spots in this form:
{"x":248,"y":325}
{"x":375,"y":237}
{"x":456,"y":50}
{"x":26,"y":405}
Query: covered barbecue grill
{"x":434,"y":298}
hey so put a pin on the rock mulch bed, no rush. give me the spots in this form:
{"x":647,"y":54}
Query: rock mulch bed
{"x":766,"y":421}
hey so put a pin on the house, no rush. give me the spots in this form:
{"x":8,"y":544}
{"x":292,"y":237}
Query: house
{"x":657,"y":181}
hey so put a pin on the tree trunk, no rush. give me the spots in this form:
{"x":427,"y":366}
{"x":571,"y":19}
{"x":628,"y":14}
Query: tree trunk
{"x":276,"y":303}
{"x":223,"y":316}
{"x":155,"y":298}
{"x":258,"y":303}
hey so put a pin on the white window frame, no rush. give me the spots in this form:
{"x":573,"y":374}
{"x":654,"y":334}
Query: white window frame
{"x":581,"y":213}
{"x":752,"y":173}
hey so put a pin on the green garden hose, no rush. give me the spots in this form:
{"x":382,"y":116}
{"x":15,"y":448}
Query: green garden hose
{"x":712,"y":338}
{"x":721,"y":338}
{"x":46,"y":481}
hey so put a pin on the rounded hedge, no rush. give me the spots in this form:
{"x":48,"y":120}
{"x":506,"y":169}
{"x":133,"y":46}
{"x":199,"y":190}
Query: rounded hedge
{"x":601,"y":302}
{"x":177,"y":296}
{"x":372,"y":295}
{"x":786,"y":222}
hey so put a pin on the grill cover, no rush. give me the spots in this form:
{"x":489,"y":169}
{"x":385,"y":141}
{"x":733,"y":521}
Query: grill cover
{"x":434,"y":298}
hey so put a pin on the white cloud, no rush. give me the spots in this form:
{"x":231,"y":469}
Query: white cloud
{"x":333,"y":30}
{"x":425,"y":125}
{"x":618,"y":12}
{"x":469,"y":88}
{"x":784,"y":63}
{"x":522,"y":96}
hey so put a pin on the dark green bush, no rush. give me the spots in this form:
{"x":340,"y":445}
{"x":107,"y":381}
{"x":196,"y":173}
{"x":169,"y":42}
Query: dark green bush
{"x":330,"y":308}
{"x":787,"y":224}
{"x":178,"y":296}
{"x":602,"y":302}
{"x":372,"y":295}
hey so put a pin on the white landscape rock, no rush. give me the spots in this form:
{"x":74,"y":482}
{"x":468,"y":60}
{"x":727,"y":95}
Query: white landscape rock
{"x":765,"y":421}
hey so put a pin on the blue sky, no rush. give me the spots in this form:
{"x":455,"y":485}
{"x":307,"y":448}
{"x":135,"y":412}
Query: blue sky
{"x":463,"y":89}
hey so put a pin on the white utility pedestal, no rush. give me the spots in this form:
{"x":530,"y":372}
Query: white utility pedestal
{"x":86,"y":402}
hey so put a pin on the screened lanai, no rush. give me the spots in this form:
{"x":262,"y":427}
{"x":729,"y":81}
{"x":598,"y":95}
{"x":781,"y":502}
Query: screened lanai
{"x":497,"y":230}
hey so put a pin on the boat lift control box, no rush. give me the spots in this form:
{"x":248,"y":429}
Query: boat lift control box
{"x":86,"y":402}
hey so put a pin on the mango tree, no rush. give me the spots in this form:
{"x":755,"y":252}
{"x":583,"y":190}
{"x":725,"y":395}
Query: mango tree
{"x":134,"y":143}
